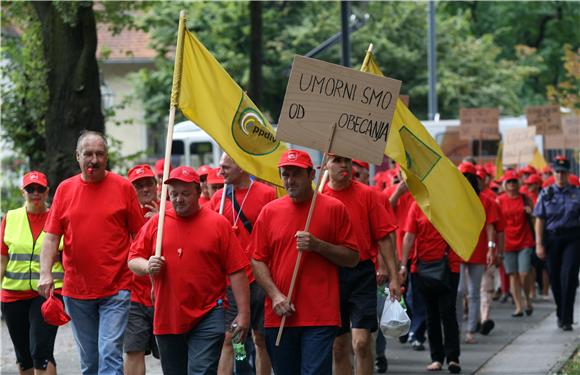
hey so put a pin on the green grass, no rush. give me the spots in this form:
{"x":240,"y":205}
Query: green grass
{"x":572,"y":367}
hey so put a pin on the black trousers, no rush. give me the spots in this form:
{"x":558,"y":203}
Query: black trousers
{"x":440,"y":307}
{"x":563,"y":262}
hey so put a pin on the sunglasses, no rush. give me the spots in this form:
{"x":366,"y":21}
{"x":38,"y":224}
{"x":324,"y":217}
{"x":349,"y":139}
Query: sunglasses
{"x":31,"y":189}
{"x":512,"y":181}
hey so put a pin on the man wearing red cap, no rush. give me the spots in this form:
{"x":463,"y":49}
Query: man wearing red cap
{"x":96,"y":212}
{"x":372,"y":226}
{"x":215,"y":181}
{"x":360,"y":171}
{"x":205,"y":197}
{"x":199,"y":250}
{"x":313,"y":315}
{"x":243,"y":201}
{"x":159,"y":165}
{"x":139,"y":340}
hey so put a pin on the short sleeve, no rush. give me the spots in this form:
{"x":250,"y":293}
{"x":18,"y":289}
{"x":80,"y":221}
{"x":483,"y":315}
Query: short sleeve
{"x":540,"y":209}
{"x":344,"y":235}
{"x":53,"y":223}
{"x":143,"y":246}
{"x":135,"y":214}
{"x":259,"y":247}
{"x":411,"y":220}
{"x":381,"y":223}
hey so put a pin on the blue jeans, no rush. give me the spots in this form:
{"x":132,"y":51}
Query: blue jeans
{"x":416,"y":303}
{"x":98,"y":328}
{"x":194,"y":352}
{"x":302,"y":350}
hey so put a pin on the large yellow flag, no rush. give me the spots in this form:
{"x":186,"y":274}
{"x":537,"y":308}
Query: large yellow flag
{"x":442,"y":192}
{"x":210,"y":98}
{"x":538,"y":161}
{"x":499,"y":162}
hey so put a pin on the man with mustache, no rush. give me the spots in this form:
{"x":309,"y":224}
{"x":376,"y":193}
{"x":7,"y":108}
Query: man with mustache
{"x":97,"y":213}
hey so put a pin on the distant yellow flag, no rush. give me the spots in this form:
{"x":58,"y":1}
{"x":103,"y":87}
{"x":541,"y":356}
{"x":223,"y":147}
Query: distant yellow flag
{"x":442,"y":192}
{"x":499,"y":162}
{"x":210,"y":98}
{"x":538,"y":161}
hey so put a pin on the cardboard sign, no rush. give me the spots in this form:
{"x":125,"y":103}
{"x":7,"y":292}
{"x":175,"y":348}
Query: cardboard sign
{"x":479,"y":123}
{"x":320,"y":94}
{"x":570,"y":139}
{"x":545,"y":118}
{"x":519,"y":146}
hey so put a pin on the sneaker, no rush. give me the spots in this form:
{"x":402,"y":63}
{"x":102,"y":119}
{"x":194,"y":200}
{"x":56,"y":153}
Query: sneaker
{"x":417,"y":346}
{"x":566,"y":327}
{"x":382,"y":364}
{"x":487,"y":326}
{"x":403,"y":339}
{"x":504,"y":298}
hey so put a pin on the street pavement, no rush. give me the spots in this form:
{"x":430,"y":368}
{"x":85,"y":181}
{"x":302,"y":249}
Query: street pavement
{"x":527,"y":345}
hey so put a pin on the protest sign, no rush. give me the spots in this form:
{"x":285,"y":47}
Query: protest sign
{"x":570,"y":137}
{"x":479,"y":123}
{"x":519,"y":145}
{"x":320,"y":94}
{"x":545,"y":118}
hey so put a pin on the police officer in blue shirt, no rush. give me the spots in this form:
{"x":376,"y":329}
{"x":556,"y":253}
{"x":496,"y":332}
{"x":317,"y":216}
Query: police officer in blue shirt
{"x":557,"y":227}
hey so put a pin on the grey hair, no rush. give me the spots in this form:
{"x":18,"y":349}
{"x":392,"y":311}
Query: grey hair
{"x":91,"y":133}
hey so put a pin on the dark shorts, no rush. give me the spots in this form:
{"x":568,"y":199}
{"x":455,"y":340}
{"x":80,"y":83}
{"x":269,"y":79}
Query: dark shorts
{"x":257,"y":297}
{"x":32,"y":337}
{"x":139,"y":332}
{"x":358,"y":297}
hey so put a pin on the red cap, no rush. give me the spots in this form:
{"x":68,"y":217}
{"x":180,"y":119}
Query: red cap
{"x":494,"y":185}
{"x":533,"y":179}
{"x":360,"y":163}
{"x":159,"y":164}
{"x":480,"y":171}
{"x":466,"y":167}
{"x":510,"y":175}
{"x":528,"y":169}
{"x":203,"y":170}
{"x":34,"y":177}
{"x":547,"y":170}
{"x":573,"y":180}
{"x":213,"y":177}
{"x":140,"y":171}
{"x":184,"y":174}
{"x":52,"y":311}
{"x":296,"y":158}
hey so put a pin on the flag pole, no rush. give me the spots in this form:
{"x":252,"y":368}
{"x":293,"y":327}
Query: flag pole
{"x":169,"y":139}
{"x":367,"y":56}
{"x":319,"y":186}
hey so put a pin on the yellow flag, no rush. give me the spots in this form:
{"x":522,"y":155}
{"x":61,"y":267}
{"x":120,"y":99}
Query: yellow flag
{"x":210,"y":98}
{"x":538,"y":161}
{"x":499,"y":162}
{"x":442,"y":192}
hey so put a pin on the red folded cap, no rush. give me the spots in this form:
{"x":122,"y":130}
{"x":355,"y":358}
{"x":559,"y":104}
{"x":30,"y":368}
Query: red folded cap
{"x":140,"y":171}
{"x":360,"y":163}
{"x":34,"y":177}
{"x":159,"y":164}
{"x":203,"y":170}
{"x":466,"y":167}
{"x":52,"y":311}
{"x":213,"y":177}
{"x":296,"y":158}
{"x":528,"y":169}
{"x":184,"y":174}
{"x":510,"y":175}
{"x":533,"y":179}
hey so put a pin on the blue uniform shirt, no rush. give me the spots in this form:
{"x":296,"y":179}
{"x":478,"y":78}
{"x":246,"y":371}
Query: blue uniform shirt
{"x":559,"y":207}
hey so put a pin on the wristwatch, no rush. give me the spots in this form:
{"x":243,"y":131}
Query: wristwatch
{"x":491,"y":245}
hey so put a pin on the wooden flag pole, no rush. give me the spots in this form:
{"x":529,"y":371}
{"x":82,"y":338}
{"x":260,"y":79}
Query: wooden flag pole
{"x":169,"y":139}
{"x":306,"y":227}
{"x":223,"y":201}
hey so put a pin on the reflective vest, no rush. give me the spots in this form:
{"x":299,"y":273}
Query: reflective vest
{"x":23,"y":268}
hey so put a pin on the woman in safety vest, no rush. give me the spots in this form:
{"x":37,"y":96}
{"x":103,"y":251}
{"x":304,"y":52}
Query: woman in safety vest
{"x":22,"y":235}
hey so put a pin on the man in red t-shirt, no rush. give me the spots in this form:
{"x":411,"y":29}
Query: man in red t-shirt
{"x":358,"y":301}
{"x":97,"y":212}
{"x":244,"y":199}
{"x":199,"y":251}
{"x":313,"y":316}
{"x":139,"y":340}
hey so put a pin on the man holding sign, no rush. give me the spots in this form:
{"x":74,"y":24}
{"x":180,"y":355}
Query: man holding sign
{"x":312,"y":320}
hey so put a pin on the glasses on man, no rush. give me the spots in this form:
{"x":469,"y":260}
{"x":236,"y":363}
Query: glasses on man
{"x":30,"y":189}
{"x":512,"y":181}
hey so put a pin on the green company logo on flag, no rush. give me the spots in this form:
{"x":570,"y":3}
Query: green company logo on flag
{"x":251,"y":132}
{"x":421,"y":159}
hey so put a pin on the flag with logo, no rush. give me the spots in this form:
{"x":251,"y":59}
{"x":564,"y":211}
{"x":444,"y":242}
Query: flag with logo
{"x":210,"y":98}
{"x":442,"y":192}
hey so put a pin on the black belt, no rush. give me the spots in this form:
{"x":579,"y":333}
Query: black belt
{"x":564,"y":231}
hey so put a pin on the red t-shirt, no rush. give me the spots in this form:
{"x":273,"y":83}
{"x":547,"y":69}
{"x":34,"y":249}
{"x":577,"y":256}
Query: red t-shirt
{"x":492,"y":216}
{"x":518,"y":234}
{"x":36,"y":222}
{"x":97,"y":221}
{"x":488,"y":193}
{"x":254,"y":199}
{"x":401,"y":210}
{"x":370,"y":220}
{"x":429,"y":245}
{"x":203,"y":200}
{"x":200,"y":251}
{"x":316,"y":294}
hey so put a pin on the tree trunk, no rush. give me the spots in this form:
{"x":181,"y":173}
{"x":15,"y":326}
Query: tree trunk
{"x":74,"y":102}
{"x":255,"y":89}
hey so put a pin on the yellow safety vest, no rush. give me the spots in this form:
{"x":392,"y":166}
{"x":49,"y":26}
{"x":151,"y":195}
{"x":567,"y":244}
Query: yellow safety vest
{"x":23,"y":268}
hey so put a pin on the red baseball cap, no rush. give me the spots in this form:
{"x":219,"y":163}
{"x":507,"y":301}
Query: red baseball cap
{"x":213,"y":177}
{"x":466,"y":167}
{"x":140,"y":171}
{"x":547,"y":170}
{"x":184,"y":174}
{"x":510,"y":175}
{"x":528,"y":169}
{"x":533,"y":179}
{"x":203,"y":170}
{"x":34,"y":177}
{"x":159,"y":164}
{"x":296,"y":158}
{"x":360,"y":163}
{"x":52,"y":311}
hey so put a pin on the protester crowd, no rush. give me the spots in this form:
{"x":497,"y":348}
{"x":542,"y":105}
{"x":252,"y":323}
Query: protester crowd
{"x":226,"y":273}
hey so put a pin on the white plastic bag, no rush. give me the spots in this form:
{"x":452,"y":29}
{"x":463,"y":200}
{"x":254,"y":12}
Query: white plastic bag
{"x":394,"y":322}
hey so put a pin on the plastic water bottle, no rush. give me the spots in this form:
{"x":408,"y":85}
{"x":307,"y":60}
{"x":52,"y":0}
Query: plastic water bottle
{"x":239,"y":349}
{"x":403,"y":304}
